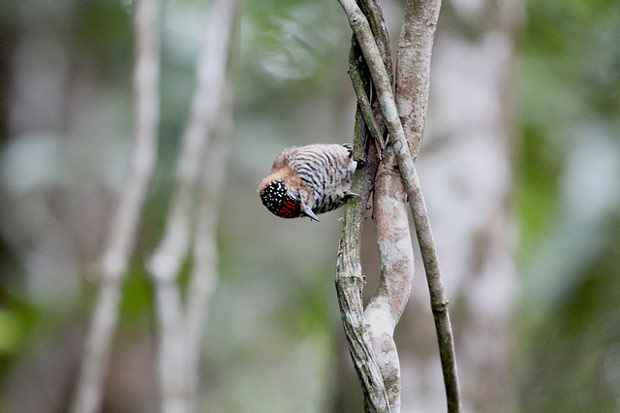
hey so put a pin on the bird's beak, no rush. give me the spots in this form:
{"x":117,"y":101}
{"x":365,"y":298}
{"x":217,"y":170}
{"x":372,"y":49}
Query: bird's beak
{"x":310,"y":214}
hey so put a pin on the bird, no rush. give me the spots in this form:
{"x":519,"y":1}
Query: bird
{"x":309,"y":180}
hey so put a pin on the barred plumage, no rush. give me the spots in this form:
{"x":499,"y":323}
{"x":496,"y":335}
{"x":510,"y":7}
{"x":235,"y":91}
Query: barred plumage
{"x":308,"y":180}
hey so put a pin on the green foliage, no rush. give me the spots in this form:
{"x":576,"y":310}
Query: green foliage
{"x":137,"y":298}
{"x":570,"y":77}
{"x":537,"y":190}
{"x":575,"y":351}
{"x":101,"y":30}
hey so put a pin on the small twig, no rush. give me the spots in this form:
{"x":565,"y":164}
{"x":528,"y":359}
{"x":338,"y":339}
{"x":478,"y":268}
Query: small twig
{"x":364,"y":106}
{"x":374,"y":12}
{"x":121,"y":239}
{"x":439,"y":301}
{"x":381,"y":79}
{"x":173,"y":249}
{"x":360,"y":149}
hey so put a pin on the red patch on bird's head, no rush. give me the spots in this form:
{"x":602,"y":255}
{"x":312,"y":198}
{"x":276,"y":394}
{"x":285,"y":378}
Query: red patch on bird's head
{"x":290,"y":208}
{"x":277,"y":200}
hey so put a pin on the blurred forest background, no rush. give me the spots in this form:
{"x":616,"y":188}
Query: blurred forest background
{"x":522,"y":158}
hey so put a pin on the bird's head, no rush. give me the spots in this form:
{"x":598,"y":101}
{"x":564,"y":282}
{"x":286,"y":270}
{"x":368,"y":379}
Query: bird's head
{"x":284,"y":197}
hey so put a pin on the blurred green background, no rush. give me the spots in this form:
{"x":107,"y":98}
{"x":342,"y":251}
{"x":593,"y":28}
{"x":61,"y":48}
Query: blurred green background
{"x":273,"y":340}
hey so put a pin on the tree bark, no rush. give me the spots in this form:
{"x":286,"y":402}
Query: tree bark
{"x":466,"y":165}
{"x":386,"y":306}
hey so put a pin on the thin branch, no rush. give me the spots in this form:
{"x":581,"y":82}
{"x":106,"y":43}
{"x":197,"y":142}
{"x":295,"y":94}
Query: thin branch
{"x":374,"y":13}
{"x":171,"y":253}
{"x":97,"y":347}
{"x":123,"y":229}
{"x":439,"y":302}
{"x":365,"y":108}
{"x":362,"y":83}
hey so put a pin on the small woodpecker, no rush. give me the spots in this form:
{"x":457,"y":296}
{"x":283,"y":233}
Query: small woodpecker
{"x":308,"y":180}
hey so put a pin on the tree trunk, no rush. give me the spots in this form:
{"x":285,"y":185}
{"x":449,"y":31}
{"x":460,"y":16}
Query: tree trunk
{"x":465,"y":166}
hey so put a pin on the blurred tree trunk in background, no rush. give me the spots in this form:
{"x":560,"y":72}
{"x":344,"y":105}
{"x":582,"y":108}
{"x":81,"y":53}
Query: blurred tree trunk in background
{"x":465,"y":167}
